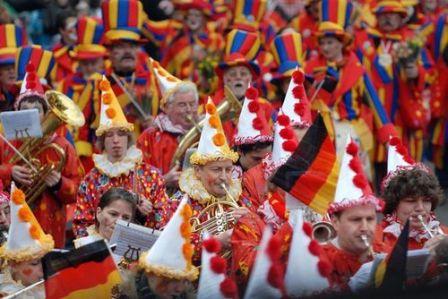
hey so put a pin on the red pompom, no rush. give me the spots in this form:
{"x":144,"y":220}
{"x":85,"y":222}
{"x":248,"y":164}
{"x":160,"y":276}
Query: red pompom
{"x":228,"y":288}
{"x":274,"y":248}
{"x":324,"y":268}
{"x":257,"y":123}
{"x":355,"y":165}
{"x":30,"y":85}
{"x":253,"y":106}
{"x":394,"y":141}
{"x":31,"y":77}
{"x":360,"y":181}
{"x":299,"y":108}
{"x":30,"y":68}
{"x":408,"y":159}
{"x":275,"y":276}
{"x":402,"y":150}
{"x":298,"y":77}
{"x":308,"y":229}
{"x":314,"y":248}
{"x":352,"y":149}
{"x":218,"y":264}
{"x":287,"y":133}
{"x":283,"y":120}
{"x":251,"y":93}
{"x":289,"y":145}
{"x":212,"y":245}
{"x":298,"y":92}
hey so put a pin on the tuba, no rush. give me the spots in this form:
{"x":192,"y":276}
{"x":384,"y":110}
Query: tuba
{"x":61,"y":110}
{"x":217,"y":219}
{"x":230,"y":108}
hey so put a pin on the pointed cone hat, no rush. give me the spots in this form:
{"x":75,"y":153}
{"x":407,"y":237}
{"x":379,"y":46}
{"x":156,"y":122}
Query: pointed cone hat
{"x":27,"y":240}
{"x":111,"y":114}
{"x":296,"y":104}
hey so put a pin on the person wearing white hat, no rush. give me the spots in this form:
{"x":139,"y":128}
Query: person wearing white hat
{"x":253,"y":140}
{"x":210,"y":179}
{"x":179,"y":105}
{"x":119,"y":165}
{"x":353,"y":215}
{"x":61,"y":184}
{"x":26,"y":245}
{"x":410,"y":191}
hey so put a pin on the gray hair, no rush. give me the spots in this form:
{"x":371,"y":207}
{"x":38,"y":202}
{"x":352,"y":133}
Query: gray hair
{"x":184,"y":87}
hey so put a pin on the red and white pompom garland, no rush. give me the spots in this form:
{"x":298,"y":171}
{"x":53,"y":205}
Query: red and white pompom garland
{"x":219,"y":266}
{"x":315,"y":249}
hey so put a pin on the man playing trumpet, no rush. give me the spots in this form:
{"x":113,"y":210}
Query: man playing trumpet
{"x":209,"y":184}
{"x":410,"y":192}
{"x":180,"y":106}
{"x":61,"y":185}
{"x":353,"y":215}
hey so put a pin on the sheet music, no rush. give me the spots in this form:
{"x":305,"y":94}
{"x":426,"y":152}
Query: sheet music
{"x":132,"y":240}
{"x":416,"y":263}
{"x":21,"y":124}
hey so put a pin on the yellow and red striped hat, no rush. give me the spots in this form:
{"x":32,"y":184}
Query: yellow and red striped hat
{"x":11,"y":38}
{"x":90,"y":35}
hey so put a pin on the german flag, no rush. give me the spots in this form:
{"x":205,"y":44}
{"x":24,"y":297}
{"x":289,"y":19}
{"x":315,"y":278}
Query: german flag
{"x":311,"y":173}
{"x":390,"y":275}
{"x":86,"y":272}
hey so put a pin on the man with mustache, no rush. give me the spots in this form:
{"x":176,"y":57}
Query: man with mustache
{"x":400,"y":79}
{"x":129,"y":73}
{"x":237,"y":71}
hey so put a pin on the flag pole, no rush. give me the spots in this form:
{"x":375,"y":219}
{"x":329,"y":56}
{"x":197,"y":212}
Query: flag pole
{"x":24,"y":290}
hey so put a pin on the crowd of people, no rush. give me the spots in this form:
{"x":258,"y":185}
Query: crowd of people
{"x":191,"y":123}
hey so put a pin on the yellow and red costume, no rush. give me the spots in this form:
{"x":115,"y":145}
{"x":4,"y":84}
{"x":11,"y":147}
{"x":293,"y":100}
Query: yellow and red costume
{"x":50,"y":207}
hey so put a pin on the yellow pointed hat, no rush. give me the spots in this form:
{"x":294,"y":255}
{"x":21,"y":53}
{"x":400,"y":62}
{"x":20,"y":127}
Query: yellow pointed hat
{"x":111,"y":114}
{"x":27,"y":241}
{"x":213,"y":144}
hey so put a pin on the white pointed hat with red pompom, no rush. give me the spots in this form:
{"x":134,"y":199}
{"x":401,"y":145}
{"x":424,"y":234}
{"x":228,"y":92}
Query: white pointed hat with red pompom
{"x":285,"y":143}
{"x":252,"y":124}
{"x":267,"y":276}
{"x":296,"y":104}
{"x":213,"y":282}
{"x":306,"y":273}
{"x":353,"y":188}
{"x":398,"y":159}
{"x":31,"y":85}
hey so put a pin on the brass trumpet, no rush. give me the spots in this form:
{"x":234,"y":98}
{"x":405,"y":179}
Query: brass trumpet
{"x":218,"y":220}
{"x":323,"y":230}
{"x":430,"y":233}
{"x":62,"y":110}
{"x":368,"y":245}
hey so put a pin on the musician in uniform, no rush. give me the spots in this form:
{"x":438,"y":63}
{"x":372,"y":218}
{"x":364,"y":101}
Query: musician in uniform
{"x":210,"y":181}
{"x":61,"y":184}
{"x":412,"y":192}
{"x":353,"y":215}
{"x":129,"y":72}
{"x":81,"y":86}
{"x":179,"y":105}
{"x":119,"y":165}
{"x":237,"y":71}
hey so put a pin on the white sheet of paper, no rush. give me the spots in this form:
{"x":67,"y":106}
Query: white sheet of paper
{"x":132,"y":239}
{"x":21,"y":124}
{"x":416,"y":263}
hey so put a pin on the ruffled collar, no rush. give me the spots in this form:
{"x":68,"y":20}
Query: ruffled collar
{"x":190,"y":184}
{"x":163,"y":122}
{"x":394,"y":227}
{"x":129,"y":162}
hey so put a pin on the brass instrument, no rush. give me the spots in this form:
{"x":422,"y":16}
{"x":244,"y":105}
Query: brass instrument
{"x":230,"y":108}
{"x":431,"y":233}
{"x":366,"y":242}
{"x":62,"y":110}
{"x":323,"y":230}
{"x":218,"y":220}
